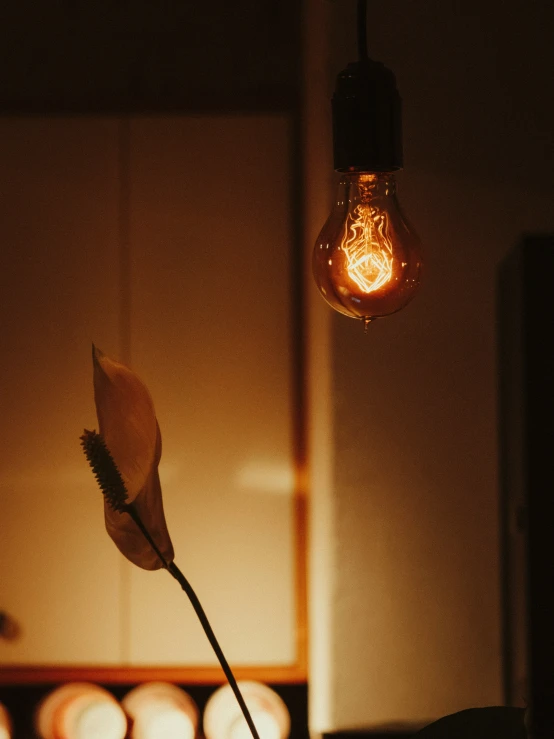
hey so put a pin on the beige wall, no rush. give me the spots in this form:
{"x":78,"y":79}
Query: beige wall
{"x":409,"y":509}
{"x":175,"y":259}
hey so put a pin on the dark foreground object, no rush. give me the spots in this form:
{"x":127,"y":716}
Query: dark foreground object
{"x":478,"y":723}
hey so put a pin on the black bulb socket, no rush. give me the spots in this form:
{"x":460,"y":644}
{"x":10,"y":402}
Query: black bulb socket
{"x":367,"y":119}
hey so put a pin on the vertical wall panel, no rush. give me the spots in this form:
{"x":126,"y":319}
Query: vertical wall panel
{"x":58,"y":292}
{"x":211,"y":327}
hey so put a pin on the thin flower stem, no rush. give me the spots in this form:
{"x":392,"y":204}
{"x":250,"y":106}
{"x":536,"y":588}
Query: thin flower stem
{"x":184,"y":583}
{"x":173,"y":570}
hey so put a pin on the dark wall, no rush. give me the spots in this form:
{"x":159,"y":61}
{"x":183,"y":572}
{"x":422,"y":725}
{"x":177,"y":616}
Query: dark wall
{"x":105,"y":55}
{"x":415,"y":448}
{"x":475,"y":77}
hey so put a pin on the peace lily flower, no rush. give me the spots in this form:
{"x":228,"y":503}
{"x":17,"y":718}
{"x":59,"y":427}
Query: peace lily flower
{"x":124,"y":458}
{"x":128,"y":425}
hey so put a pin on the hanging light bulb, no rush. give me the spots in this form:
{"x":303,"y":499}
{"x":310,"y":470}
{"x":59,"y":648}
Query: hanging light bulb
{"x":367,"y":257}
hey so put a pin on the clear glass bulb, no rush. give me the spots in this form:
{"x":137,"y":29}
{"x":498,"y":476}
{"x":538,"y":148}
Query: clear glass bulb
{"x":367,"y":258}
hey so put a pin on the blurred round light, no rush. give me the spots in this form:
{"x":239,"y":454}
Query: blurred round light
{"x":161,"y":710}
{"x":80,"y":711}
{"x":5,"y":723}
{"x":223,"y":717}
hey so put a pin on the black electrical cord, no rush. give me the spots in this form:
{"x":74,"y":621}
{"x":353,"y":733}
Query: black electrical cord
{"x":362,"y":30}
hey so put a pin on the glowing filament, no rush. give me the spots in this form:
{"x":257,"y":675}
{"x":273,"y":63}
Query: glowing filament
{"x":367,"y":248}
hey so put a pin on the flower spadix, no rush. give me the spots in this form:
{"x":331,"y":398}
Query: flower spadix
{"x":128,"y":425}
